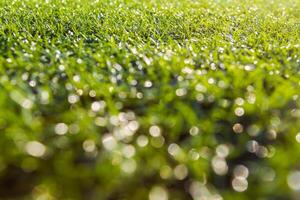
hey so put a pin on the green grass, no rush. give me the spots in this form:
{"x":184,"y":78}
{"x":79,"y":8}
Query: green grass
{"x":130,"y":99}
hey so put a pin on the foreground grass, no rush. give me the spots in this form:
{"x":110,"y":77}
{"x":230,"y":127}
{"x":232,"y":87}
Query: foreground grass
{"x":154,"y":99}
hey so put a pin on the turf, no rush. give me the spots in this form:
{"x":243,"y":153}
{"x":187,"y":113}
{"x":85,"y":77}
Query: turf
{"x":158,"y":100}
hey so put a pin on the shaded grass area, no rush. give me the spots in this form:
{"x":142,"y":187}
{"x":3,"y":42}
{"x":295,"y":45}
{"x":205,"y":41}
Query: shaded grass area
{"x":151,"y":99}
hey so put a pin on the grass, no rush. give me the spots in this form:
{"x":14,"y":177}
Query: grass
{"x":130,"y":99}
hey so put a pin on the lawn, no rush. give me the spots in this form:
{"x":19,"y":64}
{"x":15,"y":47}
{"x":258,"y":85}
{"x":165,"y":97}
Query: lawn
{"x":158,"y":99}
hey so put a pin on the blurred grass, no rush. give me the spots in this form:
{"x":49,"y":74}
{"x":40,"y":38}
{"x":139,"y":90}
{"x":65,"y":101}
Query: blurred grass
{"x":85,"y":85}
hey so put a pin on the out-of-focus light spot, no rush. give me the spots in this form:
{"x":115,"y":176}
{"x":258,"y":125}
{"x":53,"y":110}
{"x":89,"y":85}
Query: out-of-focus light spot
{"x":74,"y":128}
{"x":116,"y":158}
{"x":262,"y":151}
{"x":114,"y":120}
{"x":187,"y":70}
{"x":272,"y":134}
{"x":180,"y":172}
{"x":109,"y":142}
{"x":79,"y":92}
{"x":298,"y":137}
{"x":148,"y":84}
{"x":32,"y":83}
{"x":61,"y":68}
{"x":142,"y":141}
{"x":239,"y":184}
{"x":221,"y":50}
{"x":239,"y":101}
{"x":199,"y":191}
{"x":252,"y":146}
{"x":100,"y":121}
{"x":211,"y":80}
{"x":224,"y":103}
{"x":211,"y":98}
{"x":25,"y":76}
{"x":173,"y":149}
{"x":249,"y":67}
{"x":205,"y":152}
{"x":61,"y":128}
{"x":253,"y":130}
{"x":165,"y":172}
{"x":158,"y":193}
{"x":133,"y":125}
{"x":196,"y":190}
{"x":122,"y":117}
{"x":239,"y":111}
{"x":133,"y":82}
{"x":200,"y":88}
{"x":222,"y":84}
{"x":69,"y":86}
{"x":269,"y":175}
{"x":219,"y":165}
{"x":271,"y":150}
{"x":76,"y":78}
{"x":27,"y":104}
{"x":193,"y":154}
{"x":157,"y":142}
{"x":222,"y":150}
{"x":98,"y":105}
{"x":251,"y":98}
{"x":293,"y":180}
{"x":147,"y":60}
{"x":181,"y":92}
{"x":73,"y":98}
{"x":241,"y":171}
{"x":9,"y":60}
{"x":89,"y":146}
{"x":128,"y":166}
{"x":128,"y":151}
{"x":155,"y":131}
{"x":139,"y":95}
{"x":238,"y":128}
{"x":35,"y":148}
{"x":92,"y":93}
{"x":200,"y":97}
{"x":95,"y":106}
{"x":194,"y":131}
{"x":45,"y":97}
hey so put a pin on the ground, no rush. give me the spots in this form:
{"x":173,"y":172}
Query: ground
{"x":157,"y":100}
